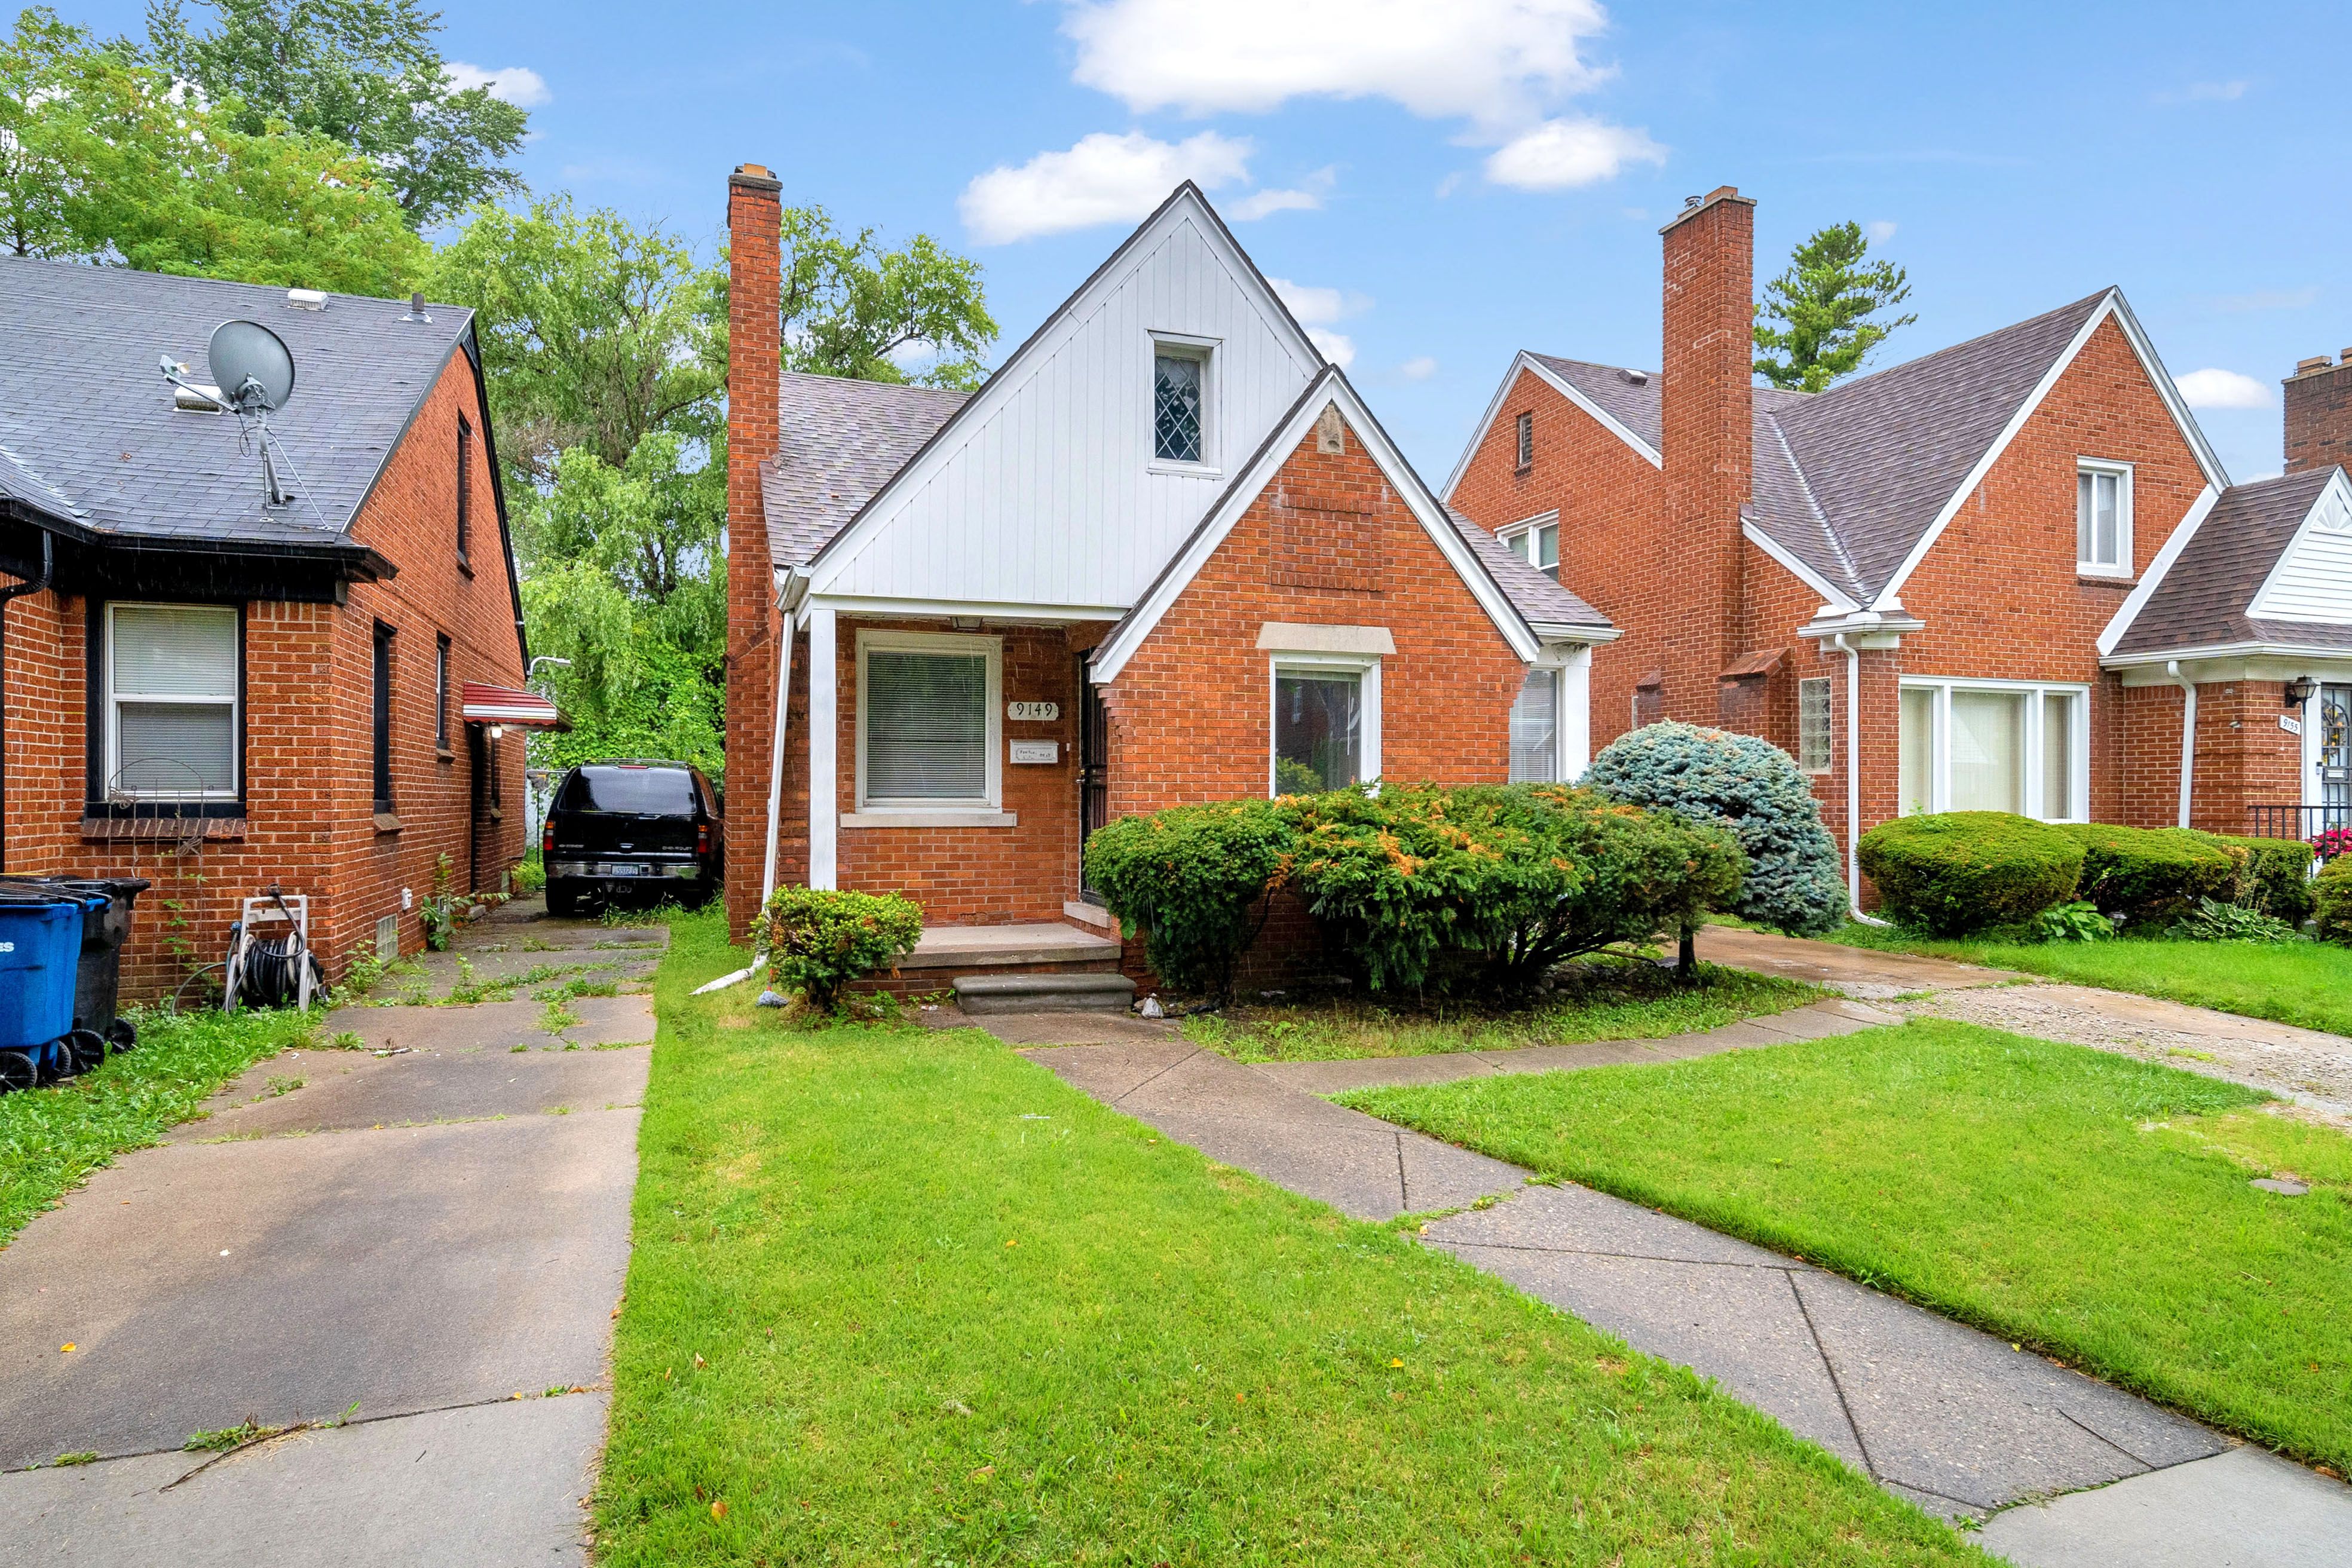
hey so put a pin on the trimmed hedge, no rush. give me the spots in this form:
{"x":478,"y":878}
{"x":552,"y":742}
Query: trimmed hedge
{"x":2153,"y":876}
{"x":818,"y":940}
{"x":2332,"y":900}
{"x":1195,"y":880}
{"x":2273,"y":875}
{"x":1961,"y":871}
{"x":1793,"y":882}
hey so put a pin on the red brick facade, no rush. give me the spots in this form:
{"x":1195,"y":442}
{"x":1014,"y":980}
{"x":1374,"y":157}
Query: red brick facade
{"x":2319,"y":415}
{"x":310,"y":823}
{"x":754,"y":626}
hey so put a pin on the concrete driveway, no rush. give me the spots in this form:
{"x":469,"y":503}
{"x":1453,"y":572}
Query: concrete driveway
{"x":411,"y":1259}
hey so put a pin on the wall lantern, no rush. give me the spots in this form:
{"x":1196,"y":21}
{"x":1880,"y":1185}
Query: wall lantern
{"x":496,"y":730}
{"x":2300,"y":691}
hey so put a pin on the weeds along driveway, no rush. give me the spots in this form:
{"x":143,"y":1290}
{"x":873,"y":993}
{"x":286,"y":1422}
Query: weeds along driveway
{"x":427,"y":1237}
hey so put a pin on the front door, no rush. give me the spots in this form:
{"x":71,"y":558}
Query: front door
{"x":1094,"y":770}
{"x":2335,"y":758}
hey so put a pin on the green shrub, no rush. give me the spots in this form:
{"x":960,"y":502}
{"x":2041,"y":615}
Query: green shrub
{"x":1962,"y":872}
{"x":819,"y":940}
{"x":2213,"y":920}
{"x":2078,"y":921}
{"x":1195,"y":880}
{"x":2331,"y":897}
{"x":1750,"y":786}
{"x":1493,"y":885}
{"x":2273,"y":877}
{"x":2153,"y":876}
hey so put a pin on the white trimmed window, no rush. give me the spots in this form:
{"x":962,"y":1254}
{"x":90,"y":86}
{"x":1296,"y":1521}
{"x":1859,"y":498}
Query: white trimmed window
{"x":172,"y":701}
{"x":1535,"y":729}
{"x":1324,"y":723}
{"x":1813,"y":724}
{"x":1536,"y":541}
{"x":1524,"y":439}
{"x":929,"y":711}
{"x":1183,"y":396}
{"x":2102,"y":518}
{"x":2014,"y":746}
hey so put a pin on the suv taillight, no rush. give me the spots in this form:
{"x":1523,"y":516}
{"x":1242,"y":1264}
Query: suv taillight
{"x":702,"y":838}
{"x":547,"y":836}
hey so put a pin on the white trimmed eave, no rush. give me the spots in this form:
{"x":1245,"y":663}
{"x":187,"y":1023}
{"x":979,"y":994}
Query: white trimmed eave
{"x":2230,"y":661}
{"x":2112,"y":305}
{"x":1330,"y":387}
{"x":1554,"y":632}
{"x":1526,"y":362}
{"x":1867,"y":629}
{"x":981,"y":609}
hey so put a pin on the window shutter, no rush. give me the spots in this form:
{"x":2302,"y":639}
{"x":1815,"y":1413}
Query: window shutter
{"x":926,"y":726}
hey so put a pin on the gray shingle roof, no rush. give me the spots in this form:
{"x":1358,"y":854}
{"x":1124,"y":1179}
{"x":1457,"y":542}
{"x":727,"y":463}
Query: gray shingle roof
{"x":87,"y":427}
{"x":2202,"y":600}
{"x":1543,"y":602}
{"x":1848,"y":480}
{"x":838,"y":442}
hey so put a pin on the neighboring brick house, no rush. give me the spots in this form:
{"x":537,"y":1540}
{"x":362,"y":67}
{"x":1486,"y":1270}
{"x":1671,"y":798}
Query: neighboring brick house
{"x":1165,"y":554}
{"x":1983,"y":578}
{"x":217,"y":692}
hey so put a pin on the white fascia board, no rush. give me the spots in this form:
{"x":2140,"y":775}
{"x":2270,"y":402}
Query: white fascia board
{"x":2237,"y":650}
{"x":1527,"y":362}
{"x":1832,"y":599}
{"x":1555,"y":633}
{"x":1067,"y":319}
{"x":2177,"y":541}
{"x":2335,"y":488}
{"x":1330,"y":387}
{"x":1051,"y":615}
{"x":2113,"y":305}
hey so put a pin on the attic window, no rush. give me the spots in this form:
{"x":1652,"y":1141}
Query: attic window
{"x":1526,"y":442}
{"x":2103,"y":521}
{"x":1536,"y":543}
{"x":465,"y":490}
{"x":1179,"y":434}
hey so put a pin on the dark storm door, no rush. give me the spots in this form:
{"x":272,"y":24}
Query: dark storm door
{"x":1094,"y":770}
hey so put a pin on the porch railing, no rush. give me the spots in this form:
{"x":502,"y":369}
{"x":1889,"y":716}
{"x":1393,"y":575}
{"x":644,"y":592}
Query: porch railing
{"x":2305,"y":822}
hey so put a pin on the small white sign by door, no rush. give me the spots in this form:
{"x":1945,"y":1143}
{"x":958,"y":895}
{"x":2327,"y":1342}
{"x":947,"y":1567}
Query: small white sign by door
{"x":2290,"y":724}
{"x":1036,"y":751}
{"x":1032,"y":713}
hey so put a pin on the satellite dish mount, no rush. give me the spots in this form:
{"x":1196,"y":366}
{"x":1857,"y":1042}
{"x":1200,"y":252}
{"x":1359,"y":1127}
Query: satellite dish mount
{"x":253,"y":377}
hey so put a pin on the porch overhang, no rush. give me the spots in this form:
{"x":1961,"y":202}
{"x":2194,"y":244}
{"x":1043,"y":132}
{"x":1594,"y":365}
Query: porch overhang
{"x":2230,"y":661}
{"x":485,"y":704}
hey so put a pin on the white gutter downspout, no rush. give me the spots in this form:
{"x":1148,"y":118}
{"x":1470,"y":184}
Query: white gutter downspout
{"x":1853,"y":780}
{"x":2188,"y":735}
{"x":775,"y":795}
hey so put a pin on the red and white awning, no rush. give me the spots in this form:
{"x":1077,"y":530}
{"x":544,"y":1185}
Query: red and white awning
{"x":505,"y":705}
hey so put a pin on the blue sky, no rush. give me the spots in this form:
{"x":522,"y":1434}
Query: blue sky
{"x":1452,"y":180}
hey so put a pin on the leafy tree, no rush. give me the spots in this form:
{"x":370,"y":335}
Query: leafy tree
{"x":366,"y":73}
{"x":102,"y":159}
{"x":1828,"y":307}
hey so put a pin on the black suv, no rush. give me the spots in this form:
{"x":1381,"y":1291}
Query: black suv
{"x":634,"y":828}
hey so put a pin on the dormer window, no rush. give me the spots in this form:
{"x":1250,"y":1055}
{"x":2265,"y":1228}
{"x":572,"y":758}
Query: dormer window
{"x":1536,"y":541}
{"x":1179,"y":427}
{"x":2102,"y":520}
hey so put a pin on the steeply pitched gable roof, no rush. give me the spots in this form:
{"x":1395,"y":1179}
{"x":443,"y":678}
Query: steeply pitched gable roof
{"x":837,"y":443}
{"x":2204,"y":598}
{"x":91,"y":439}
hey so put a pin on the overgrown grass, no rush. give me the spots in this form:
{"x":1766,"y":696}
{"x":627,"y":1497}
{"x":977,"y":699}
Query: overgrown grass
{"x":903,"y":1297}
{"x":50,"y":1139}
{"x":2096,"y":1207}
{"x":1601,"y":999}
{"x":2305,"y":982}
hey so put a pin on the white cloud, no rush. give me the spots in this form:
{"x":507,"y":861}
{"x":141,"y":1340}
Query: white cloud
{"x":2212,"y":91}
{"x":1561,"y":153}
{"x":1306,"y":196}
{"x":1419,"y":368}
{"x":1879,"y":232}
{"x":1336,"y":347}
{"x":1317,"y":309}
{"x":2222,"y":389}
{"x":519,"y":85}
{"x":1103,"y":179}
{"x":2270,"y":300}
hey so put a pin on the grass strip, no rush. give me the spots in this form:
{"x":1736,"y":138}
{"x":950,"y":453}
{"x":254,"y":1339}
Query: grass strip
{"x":903,"y":1297}
{"x":2096,"y":1207}
{"x":52,"y":1138}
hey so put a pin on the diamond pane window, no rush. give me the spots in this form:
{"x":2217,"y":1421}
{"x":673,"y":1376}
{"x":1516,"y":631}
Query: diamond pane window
{"x":1176,"y":408}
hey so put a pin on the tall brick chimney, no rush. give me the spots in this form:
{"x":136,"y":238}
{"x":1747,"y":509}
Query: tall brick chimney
{"x":754,"y":332}
{"x":2319,"y":413}
{"x":1706,"y":439}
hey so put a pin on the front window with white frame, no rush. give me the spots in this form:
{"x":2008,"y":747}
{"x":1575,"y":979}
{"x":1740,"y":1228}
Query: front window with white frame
{"x":171,"y":714}
{"x":1326,"y":723}
{"x":1535,"y":729}
{"x":2102,"y":518}
{"x":2014,"y":746}
{"x":928,"y":720}
{"x":1536,"y":541}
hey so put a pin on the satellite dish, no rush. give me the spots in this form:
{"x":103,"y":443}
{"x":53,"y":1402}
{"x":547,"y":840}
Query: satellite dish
{"x":251,"y":366}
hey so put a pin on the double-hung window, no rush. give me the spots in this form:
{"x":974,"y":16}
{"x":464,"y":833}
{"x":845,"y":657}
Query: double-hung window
{"x":1536,"y":541}
{"x":1326,"y":722}
{"x":1535,"y":729}
{"x":2102,"y":518}
{"x":171,"y":713}
{"x":1181,"y":429}
{"x":928,"y":731}
{"x":2014,"y":746}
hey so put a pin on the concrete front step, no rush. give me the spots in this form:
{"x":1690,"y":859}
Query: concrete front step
{"x":1044,"y":993}
{"x":1010,"y":947}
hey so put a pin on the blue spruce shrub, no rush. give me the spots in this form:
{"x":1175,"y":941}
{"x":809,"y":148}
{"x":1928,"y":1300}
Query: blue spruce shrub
{"x":1749,"y":786}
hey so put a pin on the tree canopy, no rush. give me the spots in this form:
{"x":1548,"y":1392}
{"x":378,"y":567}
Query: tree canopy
{"x":1819,"y":319}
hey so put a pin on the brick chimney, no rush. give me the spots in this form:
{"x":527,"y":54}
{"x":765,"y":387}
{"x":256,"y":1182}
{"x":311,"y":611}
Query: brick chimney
{"x":2319,"y":413}
{"x":754,"y":259}
{"x":1706,"y":439}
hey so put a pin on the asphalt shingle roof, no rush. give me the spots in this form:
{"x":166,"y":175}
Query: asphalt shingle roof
{"x":1543,"y":602}
{"x":88,"y":428}
{"x":2202,"y":600}
{"x":838,"y":442}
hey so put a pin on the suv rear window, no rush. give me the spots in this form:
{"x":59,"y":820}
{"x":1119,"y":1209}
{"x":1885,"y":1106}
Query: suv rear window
{"x":668,"y":791}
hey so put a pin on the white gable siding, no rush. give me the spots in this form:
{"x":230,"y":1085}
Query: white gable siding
{"x":2313,"y":581}
{"x":1043,"y":493}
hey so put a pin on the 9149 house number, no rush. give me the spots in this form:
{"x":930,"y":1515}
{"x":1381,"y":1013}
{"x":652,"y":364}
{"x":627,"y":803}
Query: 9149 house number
{"x":1032,"y":713}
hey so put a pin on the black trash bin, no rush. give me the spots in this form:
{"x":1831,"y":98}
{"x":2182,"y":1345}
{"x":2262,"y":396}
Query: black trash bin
{"x":98,"y":981}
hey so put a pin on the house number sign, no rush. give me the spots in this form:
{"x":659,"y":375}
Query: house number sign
{"x":1032,"y":713}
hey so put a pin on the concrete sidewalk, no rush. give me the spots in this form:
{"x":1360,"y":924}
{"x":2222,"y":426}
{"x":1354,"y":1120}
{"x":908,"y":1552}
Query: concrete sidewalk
{"x":1958,"y":1422}
{"x":432,"y":1229}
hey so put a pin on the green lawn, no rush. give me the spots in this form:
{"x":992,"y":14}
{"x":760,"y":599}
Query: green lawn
{"x":2092,"y":1206}
{"x":51,"y":1138}
{"x":2306,"y":982}
{"x":900,"y":1297}
{"x":1601,"y":999}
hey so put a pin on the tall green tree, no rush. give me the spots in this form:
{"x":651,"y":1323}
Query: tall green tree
{"x":1819,"y":319}
{"x":103,"y":159}
{"x":366,"y":73}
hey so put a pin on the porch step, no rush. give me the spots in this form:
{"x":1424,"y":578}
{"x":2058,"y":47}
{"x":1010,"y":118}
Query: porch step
{"x":1044,"y":993}
{"x":1010,"y":946}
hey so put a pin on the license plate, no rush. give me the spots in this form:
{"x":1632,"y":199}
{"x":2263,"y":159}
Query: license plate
{"x":624,"y":869}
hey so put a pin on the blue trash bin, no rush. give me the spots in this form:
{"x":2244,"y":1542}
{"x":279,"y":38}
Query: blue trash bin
{"x":40,"y":957}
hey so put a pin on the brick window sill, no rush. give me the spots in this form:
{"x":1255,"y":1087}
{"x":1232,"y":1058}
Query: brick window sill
{"x":2104,"y":580}
{"x":973,"y":819}
{"x":386,"y":822}
{"x":109,"y":829}
{"x":444,"y":754}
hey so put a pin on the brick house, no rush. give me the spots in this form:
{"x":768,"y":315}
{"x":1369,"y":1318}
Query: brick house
{"x":217,"y":689}
{"x":1165,"y":554}
{"x":1997,"y":576}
